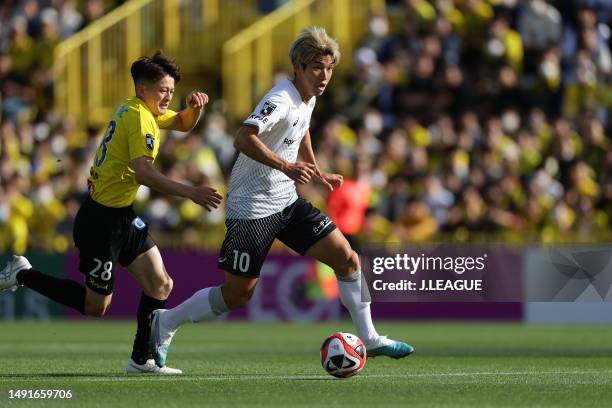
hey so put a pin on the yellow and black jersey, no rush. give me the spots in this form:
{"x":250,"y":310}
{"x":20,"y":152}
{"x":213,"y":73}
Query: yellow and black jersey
{"x":133,"y":132}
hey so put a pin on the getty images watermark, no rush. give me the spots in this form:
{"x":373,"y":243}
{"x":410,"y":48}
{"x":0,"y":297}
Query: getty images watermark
{"x":424,"y":263}
{"x":486,"y":272}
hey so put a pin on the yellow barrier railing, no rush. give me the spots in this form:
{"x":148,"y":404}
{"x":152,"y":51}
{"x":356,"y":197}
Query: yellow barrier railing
{"x":91,"y":68}
{"x":251,"y":57}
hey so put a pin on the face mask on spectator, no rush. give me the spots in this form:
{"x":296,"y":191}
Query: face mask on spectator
{"x":379,"y":26}
{"x":373,"y":122}
{"x":511,"y":121}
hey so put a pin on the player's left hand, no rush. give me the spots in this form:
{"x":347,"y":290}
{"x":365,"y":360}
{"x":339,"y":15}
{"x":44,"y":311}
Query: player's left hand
{"x":197,"y":100}
{"x":330,"y":180}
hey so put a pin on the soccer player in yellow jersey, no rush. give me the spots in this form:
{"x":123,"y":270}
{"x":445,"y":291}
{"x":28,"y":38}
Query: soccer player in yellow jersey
{"x":106,"y":230}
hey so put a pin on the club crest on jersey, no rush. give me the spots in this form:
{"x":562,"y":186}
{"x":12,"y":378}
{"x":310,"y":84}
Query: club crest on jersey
{"x":138,"y":223}
{"x":150,"y":141}
{"x":268,"y":108}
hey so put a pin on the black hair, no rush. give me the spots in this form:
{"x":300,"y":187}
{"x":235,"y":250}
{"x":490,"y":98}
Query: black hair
{"x":152,"y":69}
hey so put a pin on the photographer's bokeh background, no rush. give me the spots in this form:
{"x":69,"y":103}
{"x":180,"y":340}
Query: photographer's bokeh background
{"x":452,"y":121}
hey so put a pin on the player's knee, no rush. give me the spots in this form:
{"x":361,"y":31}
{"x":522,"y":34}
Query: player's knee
{"x":160,"y":288}
{"x":166,"y":287}
{"x":348,"y":263}
{"x":354,"y":264}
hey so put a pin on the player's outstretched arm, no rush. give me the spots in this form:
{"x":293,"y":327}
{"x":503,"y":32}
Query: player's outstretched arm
{"x":148,"y":176}
{"x":330,"y":180}
{"x":248,"y":143}
{"x":187,"y":118}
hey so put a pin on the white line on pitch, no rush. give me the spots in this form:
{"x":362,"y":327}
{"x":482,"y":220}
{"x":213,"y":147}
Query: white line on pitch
{"x":250,"y":377}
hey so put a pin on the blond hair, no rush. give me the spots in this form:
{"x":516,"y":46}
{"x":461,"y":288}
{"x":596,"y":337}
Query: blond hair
{"x":312,"y":43}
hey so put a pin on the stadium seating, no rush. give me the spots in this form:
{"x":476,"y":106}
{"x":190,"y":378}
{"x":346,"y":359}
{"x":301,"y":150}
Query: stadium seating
{"x":462,"y":121}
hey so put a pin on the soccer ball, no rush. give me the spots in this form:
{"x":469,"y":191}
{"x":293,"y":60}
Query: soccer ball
{"x":343,"y":355}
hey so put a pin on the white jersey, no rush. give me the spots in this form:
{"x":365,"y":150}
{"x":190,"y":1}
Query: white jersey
{"x":257,"y":190}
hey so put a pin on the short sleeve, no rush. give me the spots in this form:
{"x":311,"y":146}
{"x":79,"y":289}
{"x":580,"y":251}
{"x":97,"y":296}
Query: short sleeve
{"x":167,"y":119}
{"x":271,"y":110}
{"x":143,"y":137}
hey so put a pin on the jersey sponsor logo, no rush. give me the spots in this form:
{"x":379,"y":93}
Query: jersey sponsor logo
{"x":268,"y":108}
{"x":260,"y":118}
{"x":122,"y":109}
{"x":138,"y":223}
{"x":288,"y":141}
{"x":150,"y":141}
{"x":325,"y":222}
{"x":96,"y":284}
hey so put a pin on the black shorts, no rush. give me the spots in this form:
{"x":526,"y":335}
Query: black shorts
{"x":105,"y":236}
{"x":247,"y":242}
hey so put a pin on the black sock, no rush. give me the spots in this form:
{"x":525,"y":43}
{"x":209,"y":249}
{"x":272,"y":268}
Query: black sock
{"x":140,"y":351}
{"x":64,"y":291}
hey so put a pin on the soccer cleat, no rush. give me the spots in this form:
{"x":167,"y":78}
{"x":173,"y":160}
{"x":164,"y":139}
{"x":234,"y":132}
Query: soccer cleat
{"x":8,"y":276}
{"x":160,"y":339}
{"x":150,"y":368}
{"x":390,"y":348}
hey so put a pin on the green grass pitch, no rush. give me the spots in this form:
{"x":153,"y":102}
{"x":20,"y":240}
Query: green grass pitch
{"x":276,"y":365}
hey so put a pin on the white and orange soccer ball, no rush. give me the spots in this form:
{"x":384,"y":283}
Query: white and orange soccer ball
{"x":343,"y":355}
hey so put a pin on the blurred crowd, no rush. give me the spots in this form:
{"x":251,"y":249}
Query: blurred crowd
{"x":458,"y":120}
{"x":43,"y":163}
{"x":476,"y":120}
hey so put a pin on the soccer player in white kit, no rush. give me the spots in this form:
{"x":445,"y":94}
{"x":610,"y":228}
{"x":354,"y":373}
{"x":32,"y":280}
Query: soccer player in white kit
{"x":263,"y":205}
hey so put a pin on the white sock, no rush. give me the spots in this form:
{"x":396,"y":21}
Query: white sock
{"x":350,"y":295}
{"x":205,"y":304}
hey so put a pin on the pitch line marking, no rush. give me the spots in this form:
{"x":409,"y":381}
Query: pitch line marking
{"x":250,"y":377}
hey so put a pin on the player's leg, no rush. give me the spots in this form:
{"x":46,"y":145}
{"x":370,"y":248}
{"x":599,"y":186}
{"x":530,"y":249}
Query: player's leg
{"x":237,"y":290}
{"x":205,"y":304}
{"x":335,"y":251}
{"x":95,"y":237}
{"x":140,"y":256}
{"x":312,"y":233}
{"x":242,"y":255}
{"x":148,"y":269}
{"x":19,"y":272}
{"x":91,"y":300}
{"x":96,"y":304}
{"x":211,"y":302}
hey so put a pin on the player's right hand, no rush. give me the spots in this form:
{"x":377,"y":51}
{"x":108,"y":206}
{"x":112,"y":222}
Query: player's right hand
{"x":196,"y":100}
{"x":300,"y":172}
{"x":206,"y":196}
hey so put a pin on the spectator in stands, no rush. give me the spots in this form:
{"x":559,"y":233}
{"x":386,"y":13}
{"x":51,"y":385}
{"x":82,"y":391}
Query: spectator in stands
{"x":540,"y":27}
{"x":465,"y":134}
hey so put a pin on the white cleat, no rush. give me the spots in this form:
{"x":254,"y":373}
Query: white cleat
{"x":8,"y":276}
{"x":150,"y":368}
